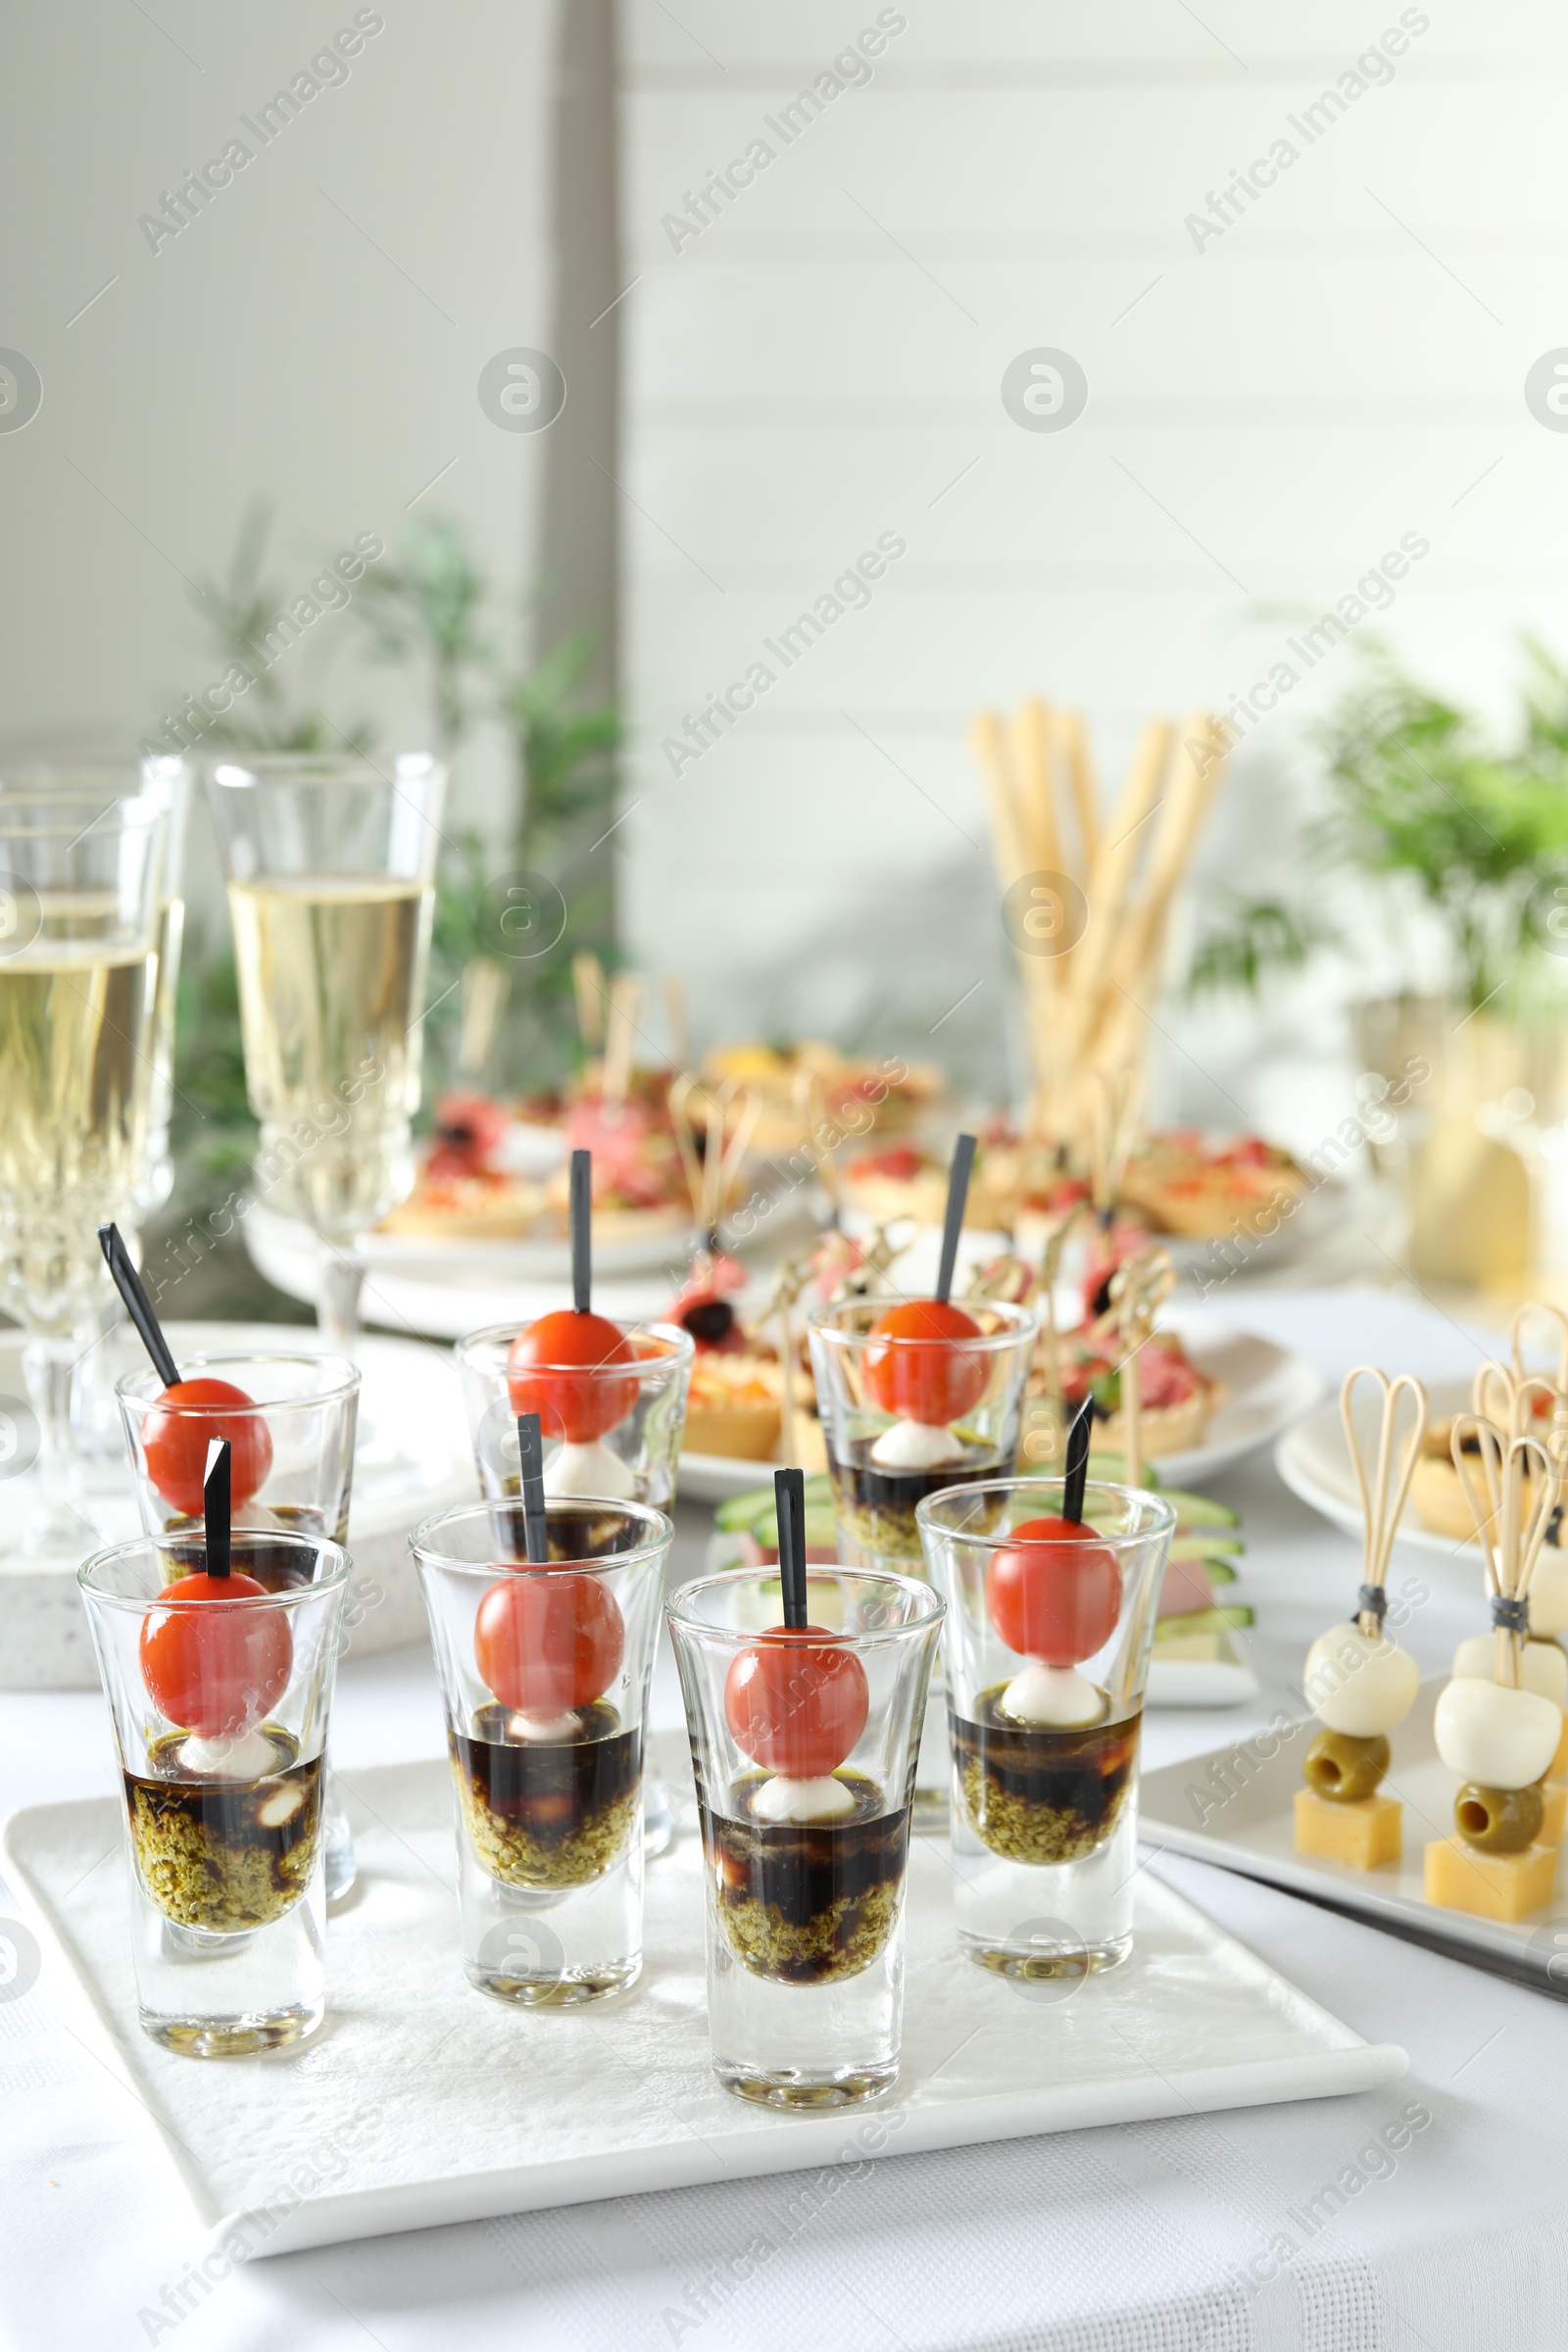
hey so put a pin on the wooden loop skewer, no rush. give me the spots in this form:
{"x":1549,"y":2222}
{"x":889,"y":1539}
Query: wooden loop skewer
{"x":625,"y":996}
{"x":588,"y":987}
{"x":482,"y":995}
{"x":1381,"y":1507}
{"x":1511,"y":1519}
{"x":1559,"y":1410}
{"x":680,"y":1118}
{"x":1139,"y":1288}
{"x":1485,"y":1502}
{"x":1051,"y":1255}
{"x":1118,"y":1106}
{"x":676,"y":1021}
{"x":812,"y":1103}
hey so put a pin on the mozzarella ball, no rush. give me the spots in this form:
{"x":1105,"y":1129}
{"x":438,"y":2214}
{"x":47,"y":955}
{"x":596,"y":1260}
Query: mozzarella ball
{"x":1499,"y":1739}
{"x":1542,"y":1666}
{"x":590,"y":1469}
{"x":916,"y":1445}
{"x":1357,"y":1685}
{"x":1055,"y":1696}
{"x":1549,"y":1592}
{"x":781,"y":1801}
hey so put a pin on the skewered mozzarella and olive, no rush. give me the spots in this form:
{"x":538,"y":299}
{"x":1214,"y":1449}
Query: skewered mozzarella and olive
{"x":1542,"y":1666}
{"x":1497,"y":1738}
{"x":1359,"y":1684}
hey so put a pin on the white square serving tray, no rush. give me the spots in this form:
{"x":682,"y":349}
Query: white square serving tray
{"x":421,"y":2101}
{"x":1235,"y":1806}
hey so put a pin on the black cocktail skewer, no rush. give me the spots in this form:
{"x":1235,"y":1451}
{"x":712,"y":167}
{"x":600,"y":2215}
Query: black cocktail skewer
{"x":139,"y":1307}
{"x":957,"y":1195}
{"x":1077,"y":1469}
{"x":582,"y":1202}
{"x":789,"y":1505}
{"x":217,"y":1508}
{"x":531,"y":1464}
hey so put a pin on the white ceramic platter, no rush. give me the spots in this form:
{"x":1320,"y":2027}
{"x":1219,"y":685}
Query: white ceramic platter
{"x":414,"y":1458}
{"x":423,"y":2103}
{"x":1234,"y":1807}
{"x":1315,"y":1465}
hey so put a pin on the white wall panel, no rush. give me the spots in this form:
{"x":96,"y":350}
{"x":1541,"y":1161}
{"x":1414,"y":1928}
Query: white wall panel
{"x":1266,"y":418}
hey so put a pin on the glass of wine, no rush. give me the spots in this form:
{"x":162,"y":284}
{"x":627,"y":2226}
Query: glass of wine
{"x":81,"y":871}
{"x":93,"y":776}
{"x":331,"y":867}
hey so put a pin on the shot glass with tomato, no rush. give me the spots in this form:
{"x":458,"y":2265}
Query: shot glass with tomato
{"x":612,"y":1403}
{"x":917,"y":1365}
{"x":289,"y":1418}
{"x":191,"y":1414}
{"x":795,"y":1700}
{"x":804,"y":1738}
{"x":220,"y":1690}
{"x":587,"y":1378}
{"x":1052,"y":1586}
{"x":544,"y":1673}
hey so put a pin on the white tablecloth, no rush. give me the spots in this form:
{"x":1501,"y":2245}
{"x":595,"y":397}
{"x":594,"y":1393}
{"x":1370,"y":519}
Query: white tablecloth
{"x":1271,"y":2227}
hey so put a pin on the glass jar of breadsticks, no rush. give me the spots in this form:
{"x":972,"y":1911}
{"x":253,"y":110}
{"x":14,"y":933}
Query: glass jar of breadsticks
{"x":1498,"y":1725}
{"x":1359,"y":1683}
{"x":1088,"y":979}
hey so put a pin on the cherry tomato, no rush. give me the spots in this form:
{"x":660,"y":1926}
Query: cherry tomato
{"x":545,"y":1641}
{"x":175,"y":1444}
{"x":557,"y":1369}
{"x":209,"y":1666}
{"x":797,"y":1701}
{"x":1053,"y":1595}
{"x":921,"y":1371}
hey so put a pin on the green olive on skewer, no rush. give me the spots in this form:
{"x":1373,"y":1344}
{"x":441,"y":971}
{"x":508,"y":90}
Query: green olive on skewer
{"x":1343,"y":1768}
{"x":1499,"y":1821}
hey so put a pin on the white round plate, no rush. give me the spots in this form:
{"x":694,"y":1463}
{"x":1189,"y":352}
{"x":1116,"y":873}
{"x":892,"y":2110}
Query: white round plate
{"x":715,"y":1476}
{"x":292,"y":1244}
{"x":1269,"y":1389}
{"x":1314,"y":1464}
{"x":448,"y":1290}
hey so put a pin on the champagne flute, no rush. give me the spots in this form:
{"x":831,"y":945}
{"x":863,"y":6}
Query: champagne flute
{"x":331,"y":867}
{"x":93,"y":775}
{"x":80,"y":873}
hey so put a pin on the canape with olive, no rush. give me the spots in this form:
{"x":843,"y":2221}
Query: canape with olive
{"x":1359,"y":1683}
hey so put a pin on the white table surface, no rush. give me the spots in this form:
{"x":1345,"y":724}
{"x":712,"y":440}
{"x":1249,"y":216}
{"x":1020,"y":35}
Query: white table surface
{"x":1272,"y":2228}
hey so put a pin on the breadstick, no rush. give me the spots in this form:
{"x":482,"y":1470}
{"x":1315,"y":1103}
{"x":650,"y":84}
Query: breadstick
{"x":1073,"y":744}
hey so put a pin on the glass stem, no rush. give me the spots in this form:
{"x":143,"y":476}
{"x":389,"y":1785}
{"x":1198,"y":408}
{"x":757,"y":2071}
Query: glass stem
{"x":337,"y":1304}
{"x":47,"y":1365}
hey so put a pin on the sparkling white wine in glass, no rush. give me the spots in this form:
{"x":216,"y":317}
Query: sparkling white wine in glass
{"x":332,"y":985}
{"x":80,"y":866}
{"x":74,"y":1028}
